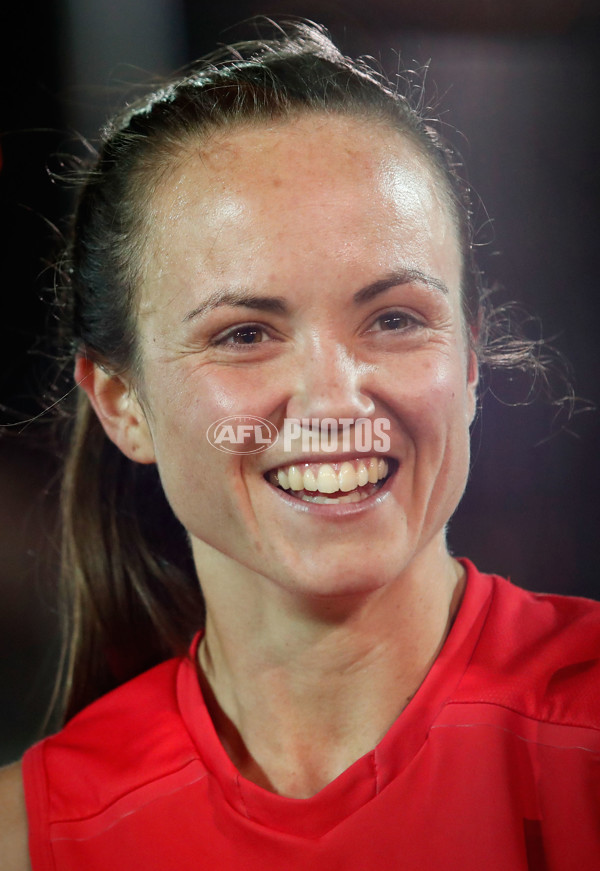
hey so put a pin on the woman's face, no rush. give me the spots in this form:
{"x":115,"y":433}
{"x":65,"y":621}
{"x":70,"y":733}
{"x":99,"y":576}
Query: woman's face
{"x":304,"y":270}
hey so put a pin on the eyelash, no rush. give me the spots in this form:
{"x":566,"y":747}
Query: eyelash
{"x":238,"y":330}
{"x":410,"y":321}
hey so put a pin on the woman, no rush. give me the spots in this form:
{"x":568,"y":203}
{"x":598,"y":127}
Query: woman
{"x":280,"y":237}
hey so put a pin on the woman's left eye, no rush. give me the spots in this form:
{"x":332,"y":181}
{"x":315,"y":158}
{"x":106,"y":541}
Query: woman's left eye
{"x":395,"y":321}
{"x":249,"y":334}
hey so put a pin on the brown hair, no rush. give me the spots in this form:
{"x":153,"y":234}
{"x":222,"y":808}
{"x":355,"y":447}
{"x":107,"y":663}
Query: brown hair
{"x":129,"y":590}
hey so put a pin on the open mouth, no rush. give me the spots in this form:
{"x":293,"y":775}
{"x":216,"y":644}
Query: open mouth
{"x":328,"y":483}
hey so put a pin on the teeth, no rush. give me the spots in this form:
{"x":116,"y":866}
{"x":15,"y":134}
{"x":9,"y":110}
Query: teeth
{"x":327,"y":480}
{"x":373,"y":470}
{"x":323,"y":500}
{"x":282,"y":479}
{"x":347,"y":477}
{"x":310,"y":481}
{"x":295,"y":478}
{"x":362,"y":474}
{"x":331,"y":478}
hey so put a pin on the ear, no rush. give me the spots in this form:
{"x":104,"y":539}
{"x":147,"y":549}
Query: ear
{"x":118,"y":409}
{"x":472,"y":380}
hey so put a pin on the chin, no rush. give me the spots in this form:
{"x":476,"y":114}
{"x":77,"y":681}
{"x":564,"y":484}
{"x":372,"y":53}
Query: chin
{"x":342,"y":578}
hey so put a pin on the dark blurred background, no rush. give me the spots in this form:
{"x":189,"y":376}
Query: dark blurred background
{"x":517,"y":85}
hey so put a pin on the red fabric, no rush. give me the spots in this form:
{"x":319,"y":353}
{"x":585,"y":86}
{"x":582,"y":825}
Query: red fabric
{"x":495,"y":764}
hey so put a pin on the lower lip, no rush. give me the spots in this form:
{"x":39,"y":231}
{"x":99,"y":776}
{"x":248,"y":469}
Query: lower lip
{"x":348,"y":509}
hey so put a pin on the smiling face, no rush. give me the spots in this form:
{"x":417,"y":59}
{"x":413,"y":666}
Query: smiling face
{"x":306,"y":269}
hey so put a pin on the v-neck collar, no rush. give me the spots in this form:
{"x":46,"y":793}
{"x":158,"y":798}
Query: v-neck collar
{"x":370,"y":774}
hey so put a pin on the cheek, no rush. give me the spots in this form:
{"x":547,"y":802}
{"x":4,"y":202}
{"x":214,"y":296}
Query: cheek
{"x":184,"y":406}
{"x":434,"y":392}
{"x":215,"y":392}
{"x":441,"y":439}
{"x":433,"y":410}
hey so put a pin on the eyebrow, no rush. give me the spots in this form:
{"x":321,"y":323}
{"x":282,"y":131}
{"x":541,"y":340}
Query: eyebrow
{"x":278,"y":305}
{"x":395,"y":279}
{"x":273,"y":304}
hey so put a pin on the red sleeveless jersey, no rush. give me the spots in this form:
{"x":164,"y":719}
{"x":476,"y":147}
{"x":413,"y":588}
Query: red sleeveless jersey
{"x":494,"y":764}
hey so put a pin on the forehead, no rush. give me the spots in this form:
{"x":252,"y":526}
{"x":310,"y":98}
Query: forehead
{"x":312,"y":146}
{"x":296,"y":191}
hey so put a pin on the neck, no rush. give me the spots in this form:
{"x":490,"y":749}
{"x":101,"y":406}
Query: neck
{"x":297,"y":694}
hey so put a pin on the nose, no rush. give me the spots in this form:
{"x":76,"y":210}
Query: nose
{"x":330,"y":383}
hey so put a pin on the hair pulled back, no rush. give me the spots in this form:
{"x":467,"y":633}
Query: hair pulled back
{"x":129,"y":589}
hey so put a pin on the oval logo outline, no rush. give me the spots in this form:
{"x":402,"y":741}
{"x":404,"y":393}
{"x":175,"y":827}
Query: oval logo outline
{"x":216,"y":426}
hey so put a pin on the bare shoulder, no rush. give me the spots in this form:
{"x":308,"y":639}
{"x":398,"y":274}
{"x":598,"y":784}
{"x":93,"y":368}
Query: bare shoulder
{"x":13,"y":820}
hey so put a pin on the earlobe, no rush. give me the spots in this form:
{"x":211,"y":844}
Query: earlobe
{"x":117,"y":408}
